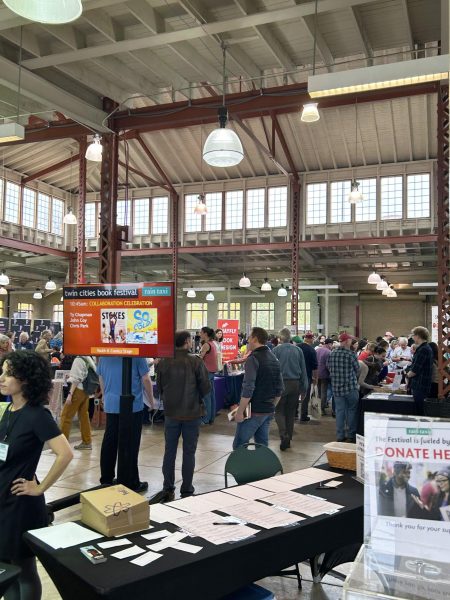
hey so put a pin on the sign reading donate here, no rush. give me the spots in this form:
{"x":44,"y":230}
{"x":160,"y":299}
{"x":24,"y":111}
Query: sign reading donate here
{"x":123,"y":319}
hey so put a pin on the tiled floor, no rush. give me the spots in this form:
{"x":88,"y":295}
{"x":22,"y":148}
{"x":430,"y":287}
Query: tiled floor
{"x":213,"y":447}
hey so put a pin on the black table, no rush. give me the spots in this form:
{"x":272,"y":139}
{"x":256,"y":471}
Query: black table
{"x":216,"y":570}
{"x":8,"y":573}
{"x":397,"y":404}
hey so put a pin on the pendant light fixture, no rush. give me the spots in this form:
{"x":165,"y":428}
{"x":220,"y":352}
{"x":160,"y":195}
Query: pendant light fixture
{"x":70,"y":218}
{"x":3,"y":291}
{"x":37,"y":294}
{"x":266,"y":287}
{"x":386,"y":290}
{"x":382,"y":285}
{"x":95,"y":149}
{"x":223,"y":148}
{"x":392,"y":293}
{"x":50,"y":285}
{"x":374,"y":278}
{"x":355,"y":195}
{"x":4,"y":279}
{"x":53,"y":12}
{"x":191,"y":293}
{"x":210,"y":297}
{"x":310,"y":112}
{"x":282,"y":292}
{"x":244,"y":281}
{"x":201,"y":208}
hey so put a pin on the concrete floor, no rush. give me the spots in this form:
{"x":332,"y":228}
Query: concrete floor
{"x":213,"y":448}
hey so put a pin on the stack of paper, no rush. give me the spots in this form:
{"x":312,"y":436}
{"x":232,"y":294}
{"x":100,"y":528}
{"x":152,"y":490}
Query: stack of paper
{"x":213,"y":529}
{"x":306,"y":477}
{"x":312,"y":506}
{"x":262,"y":515}
{"x":247,"y":492}
{"x":160,"y":513}
{"x":65,"y":535}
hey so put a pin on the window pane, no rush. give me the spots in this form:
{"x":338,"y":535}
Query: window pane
{"x":263,"y":315}
{"x":192,"y":222}
{"x":28,"y":207}
{"x":141,"y":216}
{"x":340,"y":207}
{"x":277,"y":206}
{"x":255,"y":208}
{"x":229,"y":311}
{"x":58,"y":313}
{"x":234,"y":204}
{"x":391,"y":197}
{"x":89,"y":220}
{"x":288,"y":313}
{"x":367,"y":209}
{"x":160,"y":215}
{"x":2,"y":308}
{"x":418,"y":197}
{"x":43,"y":211}
{"x":57,"y":216}
{"x":25,"y":310}
{"x":1,"y":194}
{"x":123,"y":212}
{"x":196,"y":315}
{"x":316,"y":204}
{"x":304,"y":316}
{"x":213,"y":219}
{"x":12,"y":202}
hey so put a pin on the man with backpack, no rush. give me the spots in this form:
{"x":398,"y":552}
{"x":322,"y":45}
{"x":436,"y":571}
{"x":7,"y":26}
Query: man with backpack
{"x":84,"y":382}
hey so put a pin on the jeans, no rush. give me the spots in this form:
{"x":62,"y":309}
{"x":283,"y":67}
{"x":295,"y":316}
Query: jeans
{"x":346,"y":415}
{"x":108,"y":454}
{"x":257,"y":427}
{"x":305,"y":403}
{"x":80,"y":405}
{"x":419,"y":398}
{"x":210,"y":402}
{"x":323,"y":392}
{"x":173,"y":428}
{"x":286,"y":407}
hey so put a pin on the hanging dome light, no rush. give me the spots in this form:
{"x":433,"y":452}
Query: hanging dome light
{"x":54,"y":12}
{"x":355,"y":195}
{"x":310,"y":113}
{"x":374,"y":278}
{"x":282,"y":292}
{"x":95,"y":149}
{"x":382,"y":285}
{"x":391,"y":293}
{"x":266,"y":287}
{"x":191,"y":293}
{"x":209,"y":296}
{"x":223,"y":148}
{"x":4,"y":279}
{"x":201,"y":208}
{"x":70,"y":218}
{"x":3,"y":291}
{"x":37,"y":294}
{"x":244,"y":281}
{"x":386,"y":291}
{"x":50,"y":285}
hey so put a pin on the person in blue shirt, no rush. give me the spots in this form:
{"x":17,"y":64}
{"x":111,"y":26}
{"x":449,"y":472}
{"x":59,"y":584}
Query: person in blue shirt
{"x":109,"y":371}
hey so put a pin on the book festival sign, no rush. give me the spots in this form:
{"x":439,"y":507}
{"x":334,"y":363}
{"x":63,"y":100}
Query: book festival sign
{"x":123,"y":319}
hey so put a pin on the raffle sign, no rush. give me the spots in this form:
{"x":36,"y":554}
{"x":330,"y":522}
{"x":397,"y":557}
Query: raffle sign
{"x":123,"y":319}
{"x":230,"y":345}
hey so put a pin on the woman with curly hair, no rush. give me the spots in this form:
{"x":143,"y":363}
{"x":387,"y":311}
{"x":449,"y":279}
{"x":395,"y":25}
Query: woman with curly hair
{"x":25,"y":427}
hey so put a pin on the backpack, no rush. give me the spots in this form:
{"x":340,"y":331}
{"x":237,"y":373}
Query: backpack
{"x":219,"y":356}
{"x":91,"y":383}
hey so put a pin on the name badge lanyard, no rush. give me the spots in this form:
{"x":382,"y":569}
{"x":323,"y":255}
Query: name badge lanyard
{"x":9,"y":429}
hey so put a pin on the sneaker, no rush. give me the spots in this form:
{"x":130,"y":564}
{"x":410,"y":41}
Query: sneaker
{"x":83,"y":446}
{"x":304,"y":419}
{"x":141,"y":487}
{"x":285,"y":444}
{"x":162,"y":496}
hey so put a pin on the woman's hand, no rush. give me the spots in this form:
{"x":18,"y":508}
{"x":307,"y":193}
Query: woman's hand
{"x":419,"y":502}
{"x":23,"y":487}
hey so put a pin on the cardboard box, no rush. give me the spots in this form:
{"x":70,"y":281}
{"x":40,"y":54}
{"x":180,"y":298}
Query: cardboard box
{"x":115,"y":510}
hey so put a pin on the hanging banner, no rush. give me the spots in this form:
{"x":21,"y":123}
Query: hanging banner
{"x":19,"y":325}
{"x":230,"y":347}
{"x":434,"y":324}
{"x":123,"y":319}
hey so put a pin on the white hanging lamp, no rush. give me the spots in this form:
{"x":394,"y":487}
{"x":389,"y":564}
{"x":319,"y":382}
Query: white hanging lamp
{"x":355,"y":195}
{"x":54,"y":12}
{"x":282,"y":292}
{"x":201,"y":208}
{"x":310,"y":112}
{"x":391,"y":293}
{"x":4,"y":279}
{"x":37,"y":294}
{"x":191,"y":293}
{"x":95,"y":150}
{"x":374,"y":278}
{"x":70,"y":218}
{"x":210,"y":297}
{"x":223,"y":148}
{"x":3,"y":291}
{"x":50,"y":285}
{"x":382,"y":285}
{"x":266,"y":287}
{"x":386,"y":290}
{"x":244,"y":281}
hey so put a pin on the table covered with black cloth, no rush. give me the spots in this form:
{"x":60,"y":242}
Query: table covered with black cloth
{"x":8,"y":574}
{"x":214,"y":571}
{"x":396,"y":404}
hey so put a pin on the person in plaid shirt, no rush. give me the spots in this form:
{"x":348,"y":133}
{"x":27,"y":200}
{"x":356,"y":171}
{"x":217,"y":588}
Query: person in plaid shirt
{"x":344,"y":369}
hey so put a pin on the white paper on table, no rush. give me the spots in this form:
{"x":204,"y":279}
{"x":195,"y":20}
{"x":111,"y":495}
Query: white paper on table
{"x":165,"y":514}
{"x":156,"y":535}
{"x":114,"y":543}
{"x":191,"y":548}
{"x":168,"y":541}
{"x":220,"y":499}
{"x":128,"y":552}
{"x":65,"y":535}
{"x":145,"y":559}
{"x":274,"y":485}
{"x":203,"y":526}
{"x":306,"y":505}
{"x":192,"y":504}
{"x":262,"y":515}
{"x":305,"y":477}
{"x":333,"y":484}
{"x":247,"y":492}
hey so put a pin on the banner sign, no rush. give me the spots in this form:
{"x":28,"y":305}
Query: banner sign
{"x":230,"y":347}
{"x":123,"y":319}
{"x":4,"y":325}
{"x":19,"y":325}
{"x":41,"y":324}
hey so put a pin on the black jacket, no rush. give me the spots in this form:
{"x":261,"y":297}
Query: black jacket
{"x":386,"y":501}
{"x":182,"y":382}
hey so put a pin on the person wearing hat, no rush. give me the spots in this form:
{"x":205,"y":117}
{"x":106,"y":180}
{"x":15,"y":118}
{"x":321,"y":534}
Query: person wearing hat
{"x":323,"y":374}
{"x":310,"y":355}
{"x":344,"y":369}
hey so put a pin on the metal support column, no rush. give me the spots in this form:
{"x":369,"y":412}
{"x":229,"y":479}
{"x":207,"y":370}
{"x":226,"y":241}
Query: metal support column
{"x":175,"y":200}
{"x":295,"y":232}
{"x":443,"y":242}
{"x":81,"y":242}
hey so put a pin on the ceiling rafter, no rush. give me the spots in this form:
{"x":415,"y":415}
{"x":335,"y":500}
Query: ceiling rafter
{"x":366,"y":46}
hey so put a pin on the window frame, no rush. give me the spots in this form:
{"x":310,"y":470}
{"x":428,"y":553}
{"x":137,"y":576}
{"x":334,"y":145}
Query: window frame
{"x":255,"y":311}
{"x":408,"y":176}
{"x":190,"y":324}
